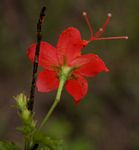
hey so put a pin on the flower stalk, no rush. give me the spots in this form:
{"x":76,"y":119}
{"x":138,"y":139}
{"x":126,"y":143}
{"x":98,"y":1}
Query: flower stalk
{"x":56,"y":101}
{"x":65,"y":72}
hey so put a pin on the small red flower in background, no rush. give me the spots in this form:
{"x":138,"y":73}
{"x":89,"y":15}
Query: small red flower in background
{"x":68,"y":53}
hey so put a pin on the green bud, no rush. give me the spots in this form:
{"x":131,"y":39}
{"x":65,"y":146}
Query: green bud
{"x":21,"y":101}
{"x":28,"y":123}
{"x":26,"y":115}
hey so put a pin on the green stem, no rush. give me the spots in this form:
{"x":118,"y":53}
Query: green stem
{"x":58,"y":95}
{"x":26,"y":144}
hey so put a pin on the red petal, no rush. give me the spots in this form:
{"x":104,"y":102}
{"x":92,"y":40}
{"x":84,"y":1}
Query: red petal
{"x":69,"y":45}
{"x":77,"y":88}
{"x":90,"y":65}
{"x":47,"y":56}
{"x":82,"y":60}
{"x":47,"y":81}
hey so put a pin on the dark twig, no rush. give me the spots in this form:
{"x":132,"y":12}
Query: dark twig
{"x":36,"y":58}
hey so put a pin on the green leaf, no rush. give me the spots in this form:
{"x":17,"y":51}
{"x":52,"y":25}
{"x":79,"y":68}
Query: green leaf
{"x":47,"y":143}
{"x":8,"y":146}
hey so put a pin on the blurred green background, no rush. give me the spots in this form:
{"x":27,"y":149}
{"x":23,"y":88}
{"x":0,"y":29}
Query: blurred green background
{"x":108,"y":117}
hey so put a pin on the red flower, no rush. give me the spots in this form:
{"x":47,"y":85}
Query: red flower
{"x":68,"y":53}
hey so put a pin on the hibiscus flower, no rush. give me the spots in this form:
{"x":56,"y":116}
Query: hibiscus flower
{"x":67,"y":58}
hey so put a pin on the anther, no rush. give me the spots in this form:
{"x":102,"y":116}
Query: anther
{"x":100,"y":29}
{"x":109,"y":15}
{"x":84,"y":13}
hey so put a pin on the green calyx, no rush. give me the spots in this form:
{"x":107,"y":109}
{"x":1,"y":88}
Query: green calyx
{"x":65,"y":72}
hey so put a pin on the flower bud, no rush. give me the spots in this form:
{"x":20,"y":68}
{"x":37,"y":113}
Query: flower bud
{"x":21,"y":101}
{"x":25,"y":115}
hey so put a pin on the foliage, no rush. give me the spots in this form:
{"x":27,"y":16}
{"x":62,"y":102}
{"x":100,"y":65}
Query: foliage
{"x":47,"y":142}
{"x":8,"y":146}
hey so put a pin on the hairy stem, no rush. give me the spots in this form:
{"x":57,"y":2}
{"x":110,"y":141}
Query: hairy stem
{"x":34,"y":72}
{"x":36,"y":58}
